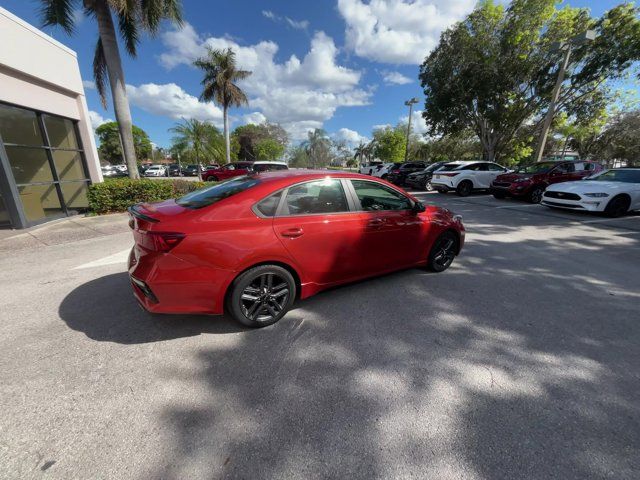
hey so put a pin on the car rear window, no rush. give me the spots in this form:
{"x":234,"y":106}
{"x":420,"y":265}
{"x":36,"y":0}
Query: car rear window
{"x":450,"y":166}
{"x":210,"y":195}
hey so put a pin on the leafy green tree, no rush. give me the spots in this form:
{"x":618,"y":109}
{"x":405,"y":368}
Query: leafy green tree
{"x":318,"y":148}
{"x":449,"y":148}
{"x":269,"y":149}
{"x":390,"y":144}
{"x":133,"y":17}
{"x":221,"y":75}
{"x":198,"y":140}
{"x":110,"y":148}
{"x":246,"y":139}
{"x":298,"y":157}
{"x":621,"y":138}
{"x":494,"y":72}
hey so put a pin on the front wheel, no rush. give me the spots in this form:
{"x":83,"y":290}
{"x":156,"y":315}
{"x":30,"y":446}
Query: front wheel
{"x":261,"y":296}
{"x":536,"y":195}
{"x":443,"y":251}
{"x":617,"y":207}
{"x":499,"y":195}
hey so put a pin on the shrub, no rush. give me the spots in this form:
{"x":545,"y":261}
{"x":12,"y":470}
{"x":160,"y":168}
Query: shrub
{"x":117,"y":195}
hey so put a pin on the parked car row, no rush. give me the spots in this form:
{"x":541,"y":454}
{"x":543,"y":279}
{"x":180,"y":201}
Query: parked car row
{"x":236,"y":169}
{"x":576,"y":185}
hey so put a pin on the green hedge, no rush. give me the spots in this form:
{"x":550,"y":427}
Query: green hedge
{"x":118,"y":194}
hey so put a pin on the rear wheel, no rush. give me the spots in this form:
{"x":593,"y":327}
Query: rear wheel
{"x":535,"y":196}
{"x":443,"y":251}
{"x":427,"y":186}
{"x":261,"y":296}
{"x":617,"y":207}
{"x":384,"y":176}
{"x":499,"y":195}
{"x":464,"y":188}
{"x":211,"y":178}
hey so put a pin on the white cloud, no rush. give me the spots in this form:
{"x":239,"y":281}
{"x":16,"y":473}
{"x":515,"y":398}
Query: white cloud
{"x":350,"y":137}
{"x":171,"y":101}
{"x":399,"y":31}
{"x":297,"y":24}
{"x":418,"y":125}
{"x":89,"y":84}
{"x":96,"y":119}
{"x":298,"y":93}
{"x":395,"y":78}
{"x":255,"y":118}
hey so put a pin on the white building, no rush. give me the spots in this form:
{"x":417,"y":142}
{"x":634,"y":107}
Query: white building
{"x":48,"y":154}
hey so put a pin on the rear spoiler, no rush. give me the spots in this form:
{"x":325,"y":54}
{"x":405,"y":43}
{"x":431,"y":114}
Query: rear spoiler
{"x":135,"y":211}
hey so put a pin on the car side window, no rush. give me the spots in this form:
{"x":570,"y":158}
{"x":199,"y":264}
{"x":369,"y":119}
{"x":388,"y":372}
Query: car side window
{"x":323,"y":196}
{"x":494,"y":167}
{"x":565,"y":168}
{"x":375,"y":197}
{"x":473,"y":166}
{"x":269,"y":205}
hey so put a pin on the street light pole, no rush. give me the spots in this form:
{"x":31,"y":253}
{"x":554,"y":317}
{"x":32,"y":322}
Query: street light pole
{"x":410,"y":104}
{"x":587,"y":36}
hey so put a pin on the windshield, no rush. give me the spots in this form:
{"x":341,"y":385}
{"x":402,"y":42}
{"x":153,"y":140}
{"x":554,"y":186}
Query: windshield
{"x":210,"y":195}
{"x":541,"y":167}
{"x":626,"y":176}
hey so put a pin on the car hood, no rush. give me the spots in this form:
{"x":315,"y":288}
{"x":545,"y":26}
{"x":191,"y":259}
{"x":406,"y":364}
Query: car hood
{"x":512,"y":177}
{"x":589,"y":186}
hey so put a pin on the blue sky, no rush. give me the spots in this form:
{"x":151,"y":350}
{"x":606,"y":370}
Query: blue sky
{"x":343,"y":65}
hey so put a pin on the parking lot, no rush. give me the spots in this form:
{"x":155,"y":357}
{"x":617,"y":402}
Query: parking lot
{"x":521,"y":361}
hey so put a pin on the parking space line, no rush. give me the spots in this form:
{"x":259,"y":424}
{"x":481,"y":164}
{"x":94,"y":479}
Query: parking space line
{"x":120,"y":257}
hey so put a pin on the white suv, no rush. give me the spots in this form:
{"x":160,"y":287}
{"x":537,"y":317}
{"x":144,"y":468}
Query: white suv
{"x":465,"y":177}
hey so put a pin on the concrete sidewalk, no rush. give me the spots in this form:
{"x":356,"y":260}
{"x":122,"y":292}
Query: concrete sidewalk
{"x":62,"y":231}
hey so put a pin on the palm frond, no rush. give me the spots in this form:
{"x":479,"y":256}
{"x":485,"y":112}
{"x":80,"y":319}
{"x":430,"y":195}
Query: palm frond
{"x":152,"y":13}
{"x":128,"y":27}
{"x":100,"y":73}
{"x":58,"y":13}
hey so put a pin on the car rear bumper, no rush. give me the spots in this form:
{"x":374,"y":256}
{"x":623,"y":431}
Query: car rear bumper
{"x":164,"y":283}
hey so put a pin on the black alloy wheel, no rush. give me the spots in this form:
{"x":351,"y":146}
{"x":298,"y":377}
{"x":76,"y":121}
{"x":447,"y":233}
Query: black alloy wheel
{"x":617,"y":207}
{"x":536,"y":195}
{"x":464,"y":188}
{"x":443,"y":251}
{"x":261,"y":296}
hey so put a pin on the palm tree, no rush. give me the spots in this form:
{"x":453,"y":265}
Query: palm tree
{"x":199,"y":138}
{"x":318,"y":147}
{"x":132,"y":17}
{"x":219,"y":84}
{"x":360,"y":152}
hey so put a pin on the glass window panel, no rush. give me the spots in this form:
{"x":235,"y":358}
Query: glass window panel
{"x":20,"y":126}
{"x":75,"y":195}
{"x":324,"y":196}
{"x":40,"y":201}
{"x":29,"y":165}
{"x":68,"y":165}
{"x":374,"y":197}
{"x":61,"y":132}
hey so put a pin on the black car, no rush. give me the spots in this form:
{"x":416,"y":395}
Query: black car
{"x":191,"y":170}
{"x":422,"y":179}
{"x":399,"y":175}
{"x":174,"y":170}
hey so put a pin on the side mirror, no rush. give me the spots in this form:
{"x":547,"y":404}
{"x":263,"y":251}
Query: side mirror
{"x":418,"y":207}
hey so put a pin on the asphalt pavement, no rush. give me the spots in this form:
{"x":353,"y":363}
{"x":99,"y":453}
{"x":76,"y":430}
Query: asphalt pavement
{"x":519,"y":362}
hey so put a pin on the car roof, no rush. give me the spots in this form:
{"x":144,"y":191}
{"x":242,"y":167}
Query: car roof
{"x":267,"y":162}
{"x":466,"y":162}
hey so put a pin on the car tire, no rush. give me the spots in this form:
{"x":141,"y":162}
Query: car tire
{"x":384,"y":176}
{"x":617,"y":207}
{"x":266,"y":283}
{"x":499,"y":195}
{"x":464,"y":188}
{"x":535,"y":195}
{"x":428,"y":187}
{"x":443,"y":251}
{"x":212,"y":178}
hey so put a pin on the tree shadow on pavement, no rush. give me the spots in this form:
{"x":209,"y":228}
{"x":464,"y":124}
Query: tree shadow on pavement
{"x":417,"y":375}
{"x":105,"y":310}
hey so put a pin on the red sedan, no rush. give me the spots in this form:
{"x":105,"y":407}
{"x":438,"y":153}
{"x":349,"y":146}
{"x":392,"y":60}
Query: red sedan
{"x":254,"y":244}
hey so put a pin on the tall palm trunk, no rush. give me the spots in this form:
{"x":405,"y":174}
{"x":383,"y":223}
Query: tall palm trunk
{"x":117,"y":83}
{"x":227,"y":143}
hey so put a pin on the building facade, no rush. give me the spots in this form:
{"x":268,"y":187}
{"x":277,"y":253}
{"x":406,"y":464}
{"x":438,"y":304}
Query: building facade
{"x":48,"y":154}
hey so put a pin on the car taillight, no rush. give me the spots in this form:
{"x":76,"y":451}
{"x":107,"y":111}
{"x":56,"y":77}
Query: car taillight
{"x":165,"y":241}
{"x":449,"y":174}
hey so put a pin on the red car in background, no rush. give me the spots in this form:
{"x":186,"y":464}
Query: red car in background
{"x":254,"y":244}
{"x":530,"y":182}
{"x":230,"y":170}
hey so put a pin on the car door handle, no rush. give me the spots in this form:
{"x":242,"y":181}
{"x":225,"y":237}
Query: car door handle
{"x":292,"y":233}
{"x":376,"y":222}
